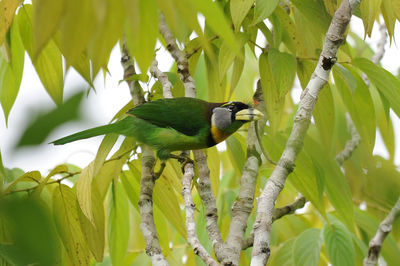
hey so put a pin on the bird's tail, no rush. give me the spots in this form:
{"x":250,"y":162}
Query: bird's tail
{"x":92,"y":132}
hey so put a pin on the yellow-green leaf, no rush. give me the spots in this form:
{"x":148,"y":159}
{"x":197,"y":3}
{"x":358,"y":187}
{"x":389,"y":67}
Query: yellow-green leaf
{"x":264,"y":9}
{"x":47,"y":15}
{"x":77,"y":28}
{"x":339,"y":244}
{"x":65,"y":210}
{"x":369,"y":12}
{"x":109,"y":27}
{"x":11,"y":72}
{"x":118,"y":227}
{"x":84,"y":185}
{"x":389,"y":16}
{"x":7,"y":12}
{"x":307,"y":247}
{"x":141,"y":30}
{"x":239,"y":10}
{"x":384,"y":81}
{"x":283,"y":68}
{"x":94,"y":232}
{"x":48,"y":63}
{"x":396,"y":8}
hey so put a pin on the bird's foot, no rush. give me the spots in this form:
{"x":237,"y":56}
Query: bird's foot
{"x":156,"y":175}
{"x":182,"y":159}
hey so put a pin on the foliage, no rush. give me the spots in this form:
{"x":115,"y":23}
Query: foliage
{"x":95,"y":218}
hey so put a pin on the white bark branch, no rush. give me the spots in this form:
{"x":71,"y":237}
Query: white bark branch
{"x":162,"y":78}
{"x":275,"y":184}
{"x":190,"y":223}
{"x":179,"y":57}
{"x":380,"y":45}
{"x":384,"y":229}
{"x":351,"y":144}
{"x":147,"y":181}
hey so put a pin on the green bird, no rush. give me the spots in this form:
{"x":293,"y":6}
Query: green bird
{"x":168,"y":125}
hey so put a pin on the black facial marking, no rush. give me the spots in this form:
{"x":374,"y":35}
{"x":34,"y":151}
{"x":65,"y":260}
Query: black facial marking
{"x":234,"y":107}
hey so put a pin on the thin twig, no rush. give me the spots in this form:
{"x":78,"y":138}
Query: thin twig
{"x":162,"y":78}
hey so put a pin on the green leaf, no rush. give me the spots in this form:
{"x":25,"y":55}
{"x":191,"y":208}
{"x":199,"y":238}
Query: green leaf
{"x":11,"y":72}
{"x":41,"y":126}
{"x":94,"y":231}
{"x":65,"y":208}
{"x":47,"y":15}
{"x":48,"y":63}
{"x":236,"y":152}
{"x":239,"y":10}
{"x":264,"y":9}
{"x":369,"y":12}
{"x":305,"y":68}
{"x":283,"y":68}
{"x":118,"y":228}
{"x":109,"y":28}
{"x":396,"y":8}
{"x":32,"y":237}
{"x":315,"y":12}
{"x":3,"y":176}
{"x":339,"y":244}
{"x":174,"y":20}
{"x":384,"y":81}
{"x":284,"y":255}
{"x":141,"y":30}
{"x":307,"y":247}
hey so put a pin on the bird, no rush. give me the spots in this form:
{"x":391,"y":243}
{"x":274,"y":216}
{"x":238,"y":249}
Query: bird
{"x":175,"y":124}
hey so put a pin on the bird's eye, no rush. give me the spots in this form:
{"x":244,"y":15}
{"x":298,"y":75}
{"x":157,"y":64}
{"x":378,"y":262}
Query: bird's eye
{"x":231,"y":107}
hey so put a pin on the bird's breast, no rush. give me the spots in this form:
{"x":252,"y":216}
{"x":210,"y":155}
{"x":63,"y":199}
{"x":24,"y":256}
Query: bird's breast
{"x":218,"y":135}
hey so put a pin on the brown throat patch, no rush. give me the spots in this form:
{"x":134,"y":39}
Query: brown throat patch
{"x":218,"y":135}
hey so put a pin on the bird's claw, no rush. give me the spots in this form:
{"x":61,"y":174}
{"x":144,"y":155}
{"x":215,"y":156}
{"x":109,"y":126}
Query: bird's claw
{"x":156,"y":175}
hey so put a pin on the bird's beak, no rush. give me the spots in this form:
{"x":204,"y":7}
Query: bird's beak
{"x":250,"y":114}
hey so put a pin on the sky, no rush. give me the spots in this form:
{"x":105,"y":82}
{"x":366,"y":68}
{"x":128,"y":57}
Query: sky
{"x":101,"y":106}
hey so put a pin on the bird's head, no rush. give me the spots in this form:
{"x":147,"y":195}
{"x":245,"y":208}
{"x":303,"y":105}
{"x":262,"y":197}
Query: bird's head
{"x":229,"y":117}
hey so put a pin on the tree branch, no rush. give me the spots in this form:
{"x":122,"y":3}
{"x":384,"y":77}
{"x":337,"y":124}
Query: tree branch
{"x":299,"y":203}
{"x":147,"y":181}
{"x":179,"y":57}
{"x":351,"y":144}
{"x":275,"y":184}
{"x":243,"y":206}
{"x":162,"y":78}
{"x":190,"y":223}
{"x":384,"y":229}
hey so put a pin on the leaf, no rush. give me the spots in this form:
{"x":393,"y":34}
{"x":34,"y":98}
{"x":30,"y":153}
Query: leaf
{"x":7,"y":11}
{"x":94,"y":232}
{"x":324,"y":116}
{"x":339,"y":244}
{"x":216,"y":20}
{"x":48,"y":63}
{"x":166,"y":200}
{"x":239,"y":10}
{"x":396,"y":8}
{"x":384,"y":81}
{"x":11,"y":72}
{"x":28,"y":176}
{"x":173,"y":19}
{"x":118,"y":228}
{"x":112,"y":169}
{"x":41,"y":126}
{"x":32,"y":236}
{"x":3,"y":176}
{"x":263,"y":9}
{"x":47,"y":15}
{"x":283,"y":68}
{"x":284,"y":255}
{"x":305,"y":68}
{"x":369,"y":12}
{"x":236,"y":152}
{"x":307,"y":247}
{"x":389,"y":16}
{"x":84,"y":185}
{"x":315,"y":12}
{"x":66,"y":217}
{"x":76,"y":29}
{"x":227,"y":56}
{"x":141,"y":30}
{"x":109,"y":28}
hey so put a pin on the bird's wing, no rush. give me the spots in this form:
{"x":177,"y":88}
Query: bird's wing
{"x":186,"y":115}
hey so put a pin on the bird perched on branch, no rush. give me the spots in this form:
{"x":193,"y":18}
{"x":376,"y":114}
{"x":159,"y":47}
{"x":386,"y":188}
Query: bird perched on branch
{"x":176,"y":124}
